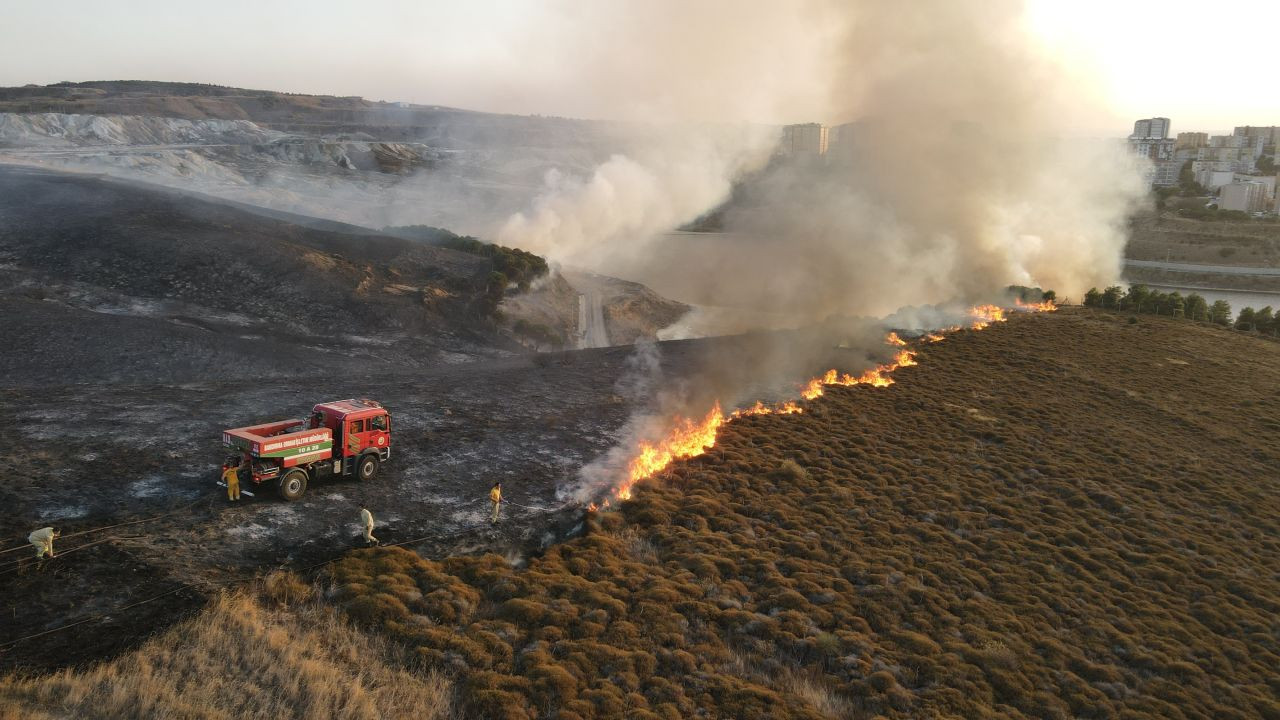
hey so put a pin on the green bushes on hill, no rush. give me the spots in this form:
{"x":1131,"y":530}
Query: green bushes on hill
{"x":1030,"y":294}
{"x":1142,"y":299}
{"x":516,"y":266}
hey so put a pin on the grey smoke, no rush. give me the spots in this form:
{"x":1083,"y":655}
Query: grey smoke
{"x":954,"y":178}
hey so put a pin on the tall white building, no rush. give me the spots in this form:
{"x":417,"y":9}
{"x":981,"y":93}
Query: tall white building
{"x":1155,"y":149}
{"x":1192,"y":140}
{"x":1240,"y":153}
{"x":1150,"y":139}
{"x":807,"y":140}
{"x":1165,"y":173}
{"x":1270,"y":135}
{"x":1214,"y":179}
{"x":1243,"y":196}
{"x":1151,"y":128}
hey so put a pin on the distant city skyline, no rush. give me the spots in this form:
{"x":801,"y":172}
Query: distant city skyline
{"x":525,"y":56}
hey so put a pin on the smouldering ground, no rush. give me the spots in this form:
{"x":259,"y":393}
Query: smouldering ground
{"x":1068,"y":515}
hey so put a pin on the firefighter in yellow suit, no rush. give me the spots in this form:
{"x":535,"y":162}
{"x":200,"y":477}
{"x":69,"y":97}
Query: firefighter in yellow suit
{"x":366,"y":519}
{"x":495,"y":497}
{"x":231,"y":476}
{"x":42,"y":541}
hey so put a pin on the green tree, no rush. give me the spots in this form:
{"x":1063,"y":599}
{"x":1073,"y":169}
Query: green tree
{"x":1048,"y":296}
{"x":1244,"y":321}
{"x":1265,"y":321}
{"x":1266,"y":165}
{"x":1187,"y":182}
{"x":1197,"y":308}
{"x":495,"y":288}
{"x":1220,"y":312}
{"x":1111,"y":297}
{"x":1134,"y":299}
{"x":1093,"y":298}
{"x":1177,"y":305}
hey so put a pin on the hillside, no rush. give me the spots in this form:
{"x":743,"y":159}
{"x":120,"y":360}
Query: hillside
{"x":342,"y":158}
{"x":292,"y":112}
{"x":227,"y":292}
{"x":1066,"y":516}
{"x":279,"y":656}
{"x":1170,"y":239}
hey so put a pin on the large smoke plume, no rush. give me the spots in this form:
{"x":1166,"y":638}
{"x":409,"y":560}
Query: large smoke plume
{"x":954,"y":175}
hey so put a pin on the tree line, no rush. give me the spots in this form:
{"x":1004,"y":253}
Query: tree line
{"x":1142,"y":299}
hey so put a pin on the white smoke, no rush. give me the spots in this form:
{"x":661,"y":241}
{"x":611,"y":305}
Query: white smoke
{"x":608,"y":218}
{"x":952,"y":175}
{"x":954,"y":180}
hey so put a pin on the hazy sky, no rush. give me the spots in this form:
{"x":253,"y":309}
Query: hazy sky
{"x":534,"y":56}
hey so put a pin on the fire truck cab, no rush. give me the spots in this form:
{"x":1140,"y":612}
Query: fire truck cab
{"x":340,"y":438}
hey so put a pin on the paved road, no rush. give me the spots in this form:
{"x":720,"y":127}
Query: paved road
{"x":591,"y":331}
{"x":1192,"y":268}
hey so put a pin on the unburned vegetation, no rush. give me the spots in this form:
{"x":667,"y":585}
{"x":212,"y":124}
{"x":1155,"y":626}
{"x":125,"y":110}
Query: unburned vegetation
{"x":1065,"y":516}
{"x":278,"y":653}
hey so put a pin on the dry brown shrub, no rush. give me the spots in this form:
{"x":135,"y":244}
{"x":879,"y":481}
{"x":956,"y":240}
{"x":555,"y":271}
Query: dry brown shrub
{"x":904,"y":562}
{"x":242,"y":659}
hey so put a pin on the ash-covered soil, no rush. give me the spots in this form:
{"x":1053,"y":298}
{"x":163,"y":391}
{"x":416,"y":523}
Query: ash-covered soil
{"x":96,"y":455}
{"x":139,"y":324}
{"x":103,"y":281}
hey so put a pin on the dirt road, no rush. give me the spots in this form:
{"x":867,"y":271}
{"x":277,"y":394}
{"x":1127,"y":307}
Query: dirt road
{"x":591,"y":330}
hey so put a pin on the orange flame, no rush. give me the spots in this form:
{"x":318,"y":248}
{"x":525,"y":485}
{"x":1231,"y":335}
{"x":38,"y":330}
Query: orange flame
{"x":787,"y":408}
{"x":689,"y":439}
{"x":1046,"y":306}
{"x":875,"y":377}
{"x":984,"y":315}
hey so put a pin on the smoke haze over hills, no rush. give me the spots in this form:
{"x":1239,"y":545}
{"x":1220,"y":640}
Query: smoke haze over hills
{"x":952,"y":181}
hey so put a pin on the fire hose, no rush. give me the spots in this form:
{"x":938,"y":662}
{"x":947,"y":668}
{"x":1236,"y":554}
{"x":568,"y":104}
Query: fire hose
{"x":174,"y":511}
{"x":100,"y":616}
{"x":536,"y":508}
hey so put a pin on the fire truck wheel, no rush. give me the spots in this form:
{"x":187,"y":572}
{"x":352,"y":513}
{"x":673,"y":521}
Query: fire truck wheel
{"x":292,"y":485}
{"x":368,"y":468}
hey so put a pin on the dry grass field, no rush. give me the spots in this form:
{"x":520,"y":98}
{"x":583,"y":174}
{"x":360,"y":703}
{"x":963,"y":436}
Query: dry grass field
{"x":1066,"y":516}
{"x":283,"y":655}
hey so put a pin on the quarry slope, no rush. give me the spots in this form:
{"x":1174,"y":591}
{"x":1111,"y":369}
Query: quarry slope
{"x":347,"y":159}
{"x":1067,"y":515}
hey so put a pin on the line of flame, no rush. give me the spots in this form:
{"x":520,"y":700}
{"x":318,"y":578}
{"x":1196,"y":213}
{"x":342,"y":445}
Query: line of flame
{"x":689,"y":439}
{"x":875,"y":377}
{"x":1046,"y":306}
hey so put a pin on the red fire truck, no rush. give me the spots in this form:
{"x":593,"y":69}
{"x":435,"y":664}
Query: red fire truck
{"x":291,"y":453}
